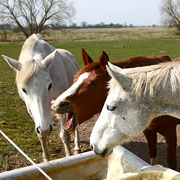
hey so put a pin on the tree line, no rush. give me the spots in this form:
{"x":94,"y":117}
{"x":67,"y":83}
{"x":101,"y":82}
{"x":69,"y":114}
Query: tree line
{"x":32,"y":16}
{"x":8,"y":27}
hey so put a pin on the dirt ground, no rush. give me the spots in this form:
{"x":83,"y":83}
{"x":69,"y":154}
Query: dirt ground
{"x":138,"y":145}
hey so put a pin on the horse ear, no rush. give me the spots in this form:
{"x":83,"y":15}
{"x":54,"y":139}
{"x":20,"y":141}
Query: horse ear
{"x":86,"y":58}
{"x":12,"y":63}
{"x":49,"y":59}
{"x":116,"y":73}
{"x":104,"y":59}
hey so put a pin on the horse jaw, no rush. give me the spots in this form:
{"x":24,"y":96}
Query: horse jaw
{"x":101,"y":139}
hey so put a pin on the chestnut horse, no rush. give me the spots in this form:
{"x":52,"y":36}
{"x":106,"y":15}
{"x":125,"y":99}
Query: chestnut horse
{"x":88,"y":93}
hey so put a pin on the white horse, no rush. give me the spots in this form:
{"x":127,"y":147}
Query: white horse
{"x":42,"y":73}
{"x":136,"y":96}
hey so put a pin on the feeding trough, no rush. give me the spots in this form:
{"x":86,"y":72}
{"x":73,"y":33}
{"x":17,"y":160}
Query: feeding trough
{"x":85,"y":166}
{"x":122,"y":164}
{"x":152,"y":173}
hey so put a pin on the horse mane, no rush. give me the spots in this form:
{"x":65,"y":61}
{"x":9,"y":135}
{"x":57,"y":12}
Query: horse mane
{"x":27,"y":47}
{"x":149,"y":78}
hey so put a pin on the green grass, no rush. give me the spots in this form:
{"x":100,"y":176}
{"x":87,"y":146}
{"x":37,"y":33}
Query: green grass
{"x":14,"y":119}
{"x":121,"y":50}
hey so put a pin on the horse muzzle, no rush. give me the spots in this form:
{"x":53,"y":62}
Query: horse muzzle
{"x":103,"y":153}
{"x":62,"y":107}
{"x":46,"y":132}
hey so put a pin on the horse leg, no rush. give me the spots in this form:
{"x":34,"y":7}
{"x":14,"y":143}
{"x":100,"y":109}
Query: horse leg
{"x":45,"y":152}
{"x":77,"y":149}
{"x":64,"y":135}
{"x":151,"y":137}
{"x":171,"y":139}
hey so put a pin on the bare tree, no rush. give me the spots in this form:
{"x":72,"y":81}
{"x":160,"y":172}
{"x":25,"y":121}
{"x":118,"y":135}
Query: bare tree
{"x":31,"y":15}
{"x":170,"y":11}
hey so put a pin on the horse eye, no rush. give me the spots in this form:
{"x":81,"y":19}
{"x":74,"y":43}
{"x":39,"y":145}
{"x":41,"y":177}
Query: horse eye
{"x":93,"y":83}
{"x":111,"y":108}
{"x":24,"y":90}
{"x":50,"y":86}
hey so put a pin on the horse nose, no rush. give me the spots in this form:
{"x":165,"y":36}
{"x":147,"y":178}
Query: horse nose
{"x":44,"y":132}
{"x":61,"y":107}
{"x":93,"y":147}
{"x":38,"y":130}
{"x":64,"y":104}
{"x":53,"y":106}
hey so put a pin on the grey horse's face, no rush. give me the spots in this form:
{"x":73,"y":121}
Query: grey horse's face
{"x":122,"y":117}
{"x":37,"y":92}
{"x":137,"y":95}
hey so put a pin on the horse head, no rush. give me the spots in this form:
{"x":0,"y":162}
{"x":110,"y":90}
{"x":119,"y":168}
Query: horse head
{"x":136,"y":96}
{"x":121,"y":118}
{"x":80,"y":100}
{"x":35,"y":88}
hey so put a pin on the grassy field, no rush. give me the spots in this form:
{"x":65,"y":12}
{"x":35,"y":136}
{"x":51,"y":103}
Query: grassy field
{"x":120,"y":45}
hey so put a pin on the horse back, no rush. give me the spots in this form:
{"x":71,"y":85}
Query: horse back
{"x":142,"y":61}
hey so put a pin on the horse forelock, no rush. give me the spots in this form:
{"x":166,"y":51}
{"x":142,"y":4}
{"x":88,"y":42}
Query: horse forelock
{"x":89,"y":67}
{"x":147,"y":79}
{"x":28,"y":70}
{"x":112,"y":85}
{"x":86,"y":68}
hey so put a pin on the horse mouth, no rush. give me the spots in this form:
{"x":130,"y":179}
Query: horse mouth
{"x":105,"y":153}
{"x":70,"y":122}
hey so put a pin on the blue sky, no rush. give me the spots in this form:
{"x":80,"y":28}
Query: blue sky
{"x":136,"y":12}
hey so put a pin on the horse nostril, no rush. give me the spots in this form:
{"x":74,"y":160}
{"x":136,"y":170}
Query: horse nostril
{"x":91,"y":146}
{"x":51,"y":128}
{"x":63,"y":104}
{"x":38,"y":130}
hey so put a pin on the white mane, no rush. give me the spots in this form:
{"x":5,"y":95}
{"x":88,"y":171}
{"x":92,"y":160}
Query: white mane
{"x":148,"y":78}
{"x":28,"y":46}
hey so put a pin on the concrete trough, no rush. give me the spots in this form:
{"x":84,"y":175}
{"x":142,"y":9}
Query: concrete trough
{"x":122,"y":164}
